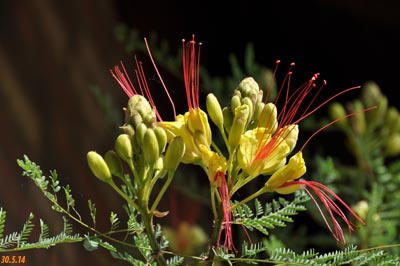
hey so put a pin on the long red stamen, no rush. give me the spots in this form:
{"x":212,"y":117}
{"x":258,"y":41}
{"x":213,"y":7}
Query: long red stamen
{"x":289,"y":114}
{"x":325,"y":195}
{"x":333,"y":122}
{"x":123,"y":80}
{"x":191,"y":72}
{"x":226,"y":207}
{"x":159,"y":77}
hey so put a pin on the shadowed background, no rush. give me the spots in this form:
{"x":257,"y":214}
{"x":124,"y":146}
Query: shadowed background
{"x":52,"y":52}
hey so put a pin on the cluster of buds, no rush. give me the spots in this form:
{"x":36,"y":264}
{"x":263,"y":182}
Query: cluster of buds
{"x":143,"y":147}
{"x":381,"y":123}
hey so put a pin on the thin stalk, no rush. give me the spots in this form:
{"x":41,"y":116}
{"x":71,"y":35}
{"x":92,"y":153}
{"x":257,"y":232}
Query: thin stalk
{"x":162,"y":191}
{"x":218,"y":217}
{"x":252,"y":196}
{"x":147,"y":220}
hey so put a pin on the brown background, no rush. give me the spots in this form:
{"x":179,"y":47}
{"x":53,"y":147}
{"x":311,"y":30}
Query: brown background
{"x":51,"y":52}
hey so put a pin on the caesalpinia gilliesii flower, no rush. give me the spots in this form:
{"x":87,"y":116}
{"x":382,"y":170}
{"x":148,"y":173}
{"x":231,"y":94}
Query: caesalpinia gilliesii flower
{"x":192,"y":127}
{"x":264,"y":151}
{"x":258,"y":138}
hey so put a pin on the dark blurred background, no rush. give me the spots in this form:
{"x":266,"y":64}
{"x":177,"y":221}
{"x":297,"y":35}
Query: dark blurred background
{"x":52,"y":52}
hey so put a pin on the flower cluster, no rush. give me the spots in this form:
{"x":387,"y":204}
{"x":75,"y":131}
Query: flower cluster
{"x":259,"y":142}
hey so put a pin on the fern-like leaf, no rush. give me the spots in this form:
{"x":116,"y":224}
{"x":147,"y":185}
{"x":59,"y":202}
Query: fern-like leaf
{"x":26,"y":231}
{"x":3,"y":214}
{"x":276,"y":213}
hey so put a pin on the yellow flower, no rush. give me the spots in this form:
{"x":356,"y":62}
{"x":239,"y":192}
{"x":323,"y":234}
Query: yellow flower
{"x":213,"y":162}
{"x":295,"y":169}
{"x":249,"y":150}
{"x":179,"y":128}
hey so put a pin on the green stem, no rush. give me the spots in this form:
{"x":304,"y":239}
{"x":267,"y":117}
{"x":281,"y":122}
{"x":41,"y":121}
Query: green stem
{"x":252,"y":196}
{"x":123,"y":195}
{"x":218,"y":217}
{"x":147,"y":220}
{"x":162,"y":191}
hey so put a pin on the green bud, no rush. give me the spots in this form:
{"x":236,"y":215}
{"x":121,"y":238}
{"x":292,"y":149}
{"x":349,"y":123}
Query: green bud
{"x":140,"y":132}
{"x":161,"y":138}
{"x":134,"y":119}
{"x":268,"y":117}
{"x":228,"y":118}
{"x":337,"y":111}
{"x":238,"y":93}
{"x":113,"y":163}
{"x":392,"y":120}
{"x":246,"y":100}
{"x":375,"y":117}
{"x":175,"y":151}
{"x":123,"y":147}
{"x":150,"y":119}
{"x":150,"y":147}
{"x":371,"y":93}
{"x":138,"y":104}
{"x":235,"y":102}
{"x":128,"y":129}
{"x":392,"y":145}
{"x":361,"y":208}
{"x":238,"y":125}
{"x":214,"y":110}
{"x":359,"y":121}
{"x":248,"y":86}
{"x":266,"y":80}
{"x":159,"y":164}
{"x":98,"y":166}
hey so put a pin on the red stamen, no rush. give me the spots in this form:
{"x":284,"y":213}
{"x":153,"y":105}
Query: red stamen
{"x":159,"y":77}
{"x":324,"y":194}
{"x":226,"y":207}
{"x":123,"y":80}
{"x":191,"y":72}
{"x":289,"y":115}
{"x":333,"y":122}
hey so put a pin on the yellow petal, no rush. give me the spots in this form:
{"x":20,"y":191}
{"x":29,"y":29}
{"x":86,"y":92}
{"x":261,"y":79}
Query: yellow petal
{"x":249,"y":145}
{"x":295,"y":169}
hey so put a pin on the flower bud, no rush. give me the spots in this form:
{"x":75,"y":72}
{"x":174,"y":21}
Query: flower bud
{"x":246,"y":100}
{"x":371,"y":93}
{"x":359,"y":121}
{"x":392,"y":145}
{"x":235,"y":102}
{"x":266,"y":80}
{"x":150,"y":147}
{"x":268,"y":118}
{"x":248,"y":86}
{"x":123,"y":147}
{"x":98,"y":166}
{"x":228,"y":118}
{"x":214,"y":110}
{"x":140,"y":132}
{"x":392,"y":120}
{"x":337,"y":111}
{"x":238,"y":125}
{"x":128,"y":129}
{"x":375,"y":117}
{"x":161,"y":138}
{"x":174,"y":154}
{"x":361,"y":208}
{"x":150,"y":119}
{"x":113,"y":163}
{"x":138,"y":104}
